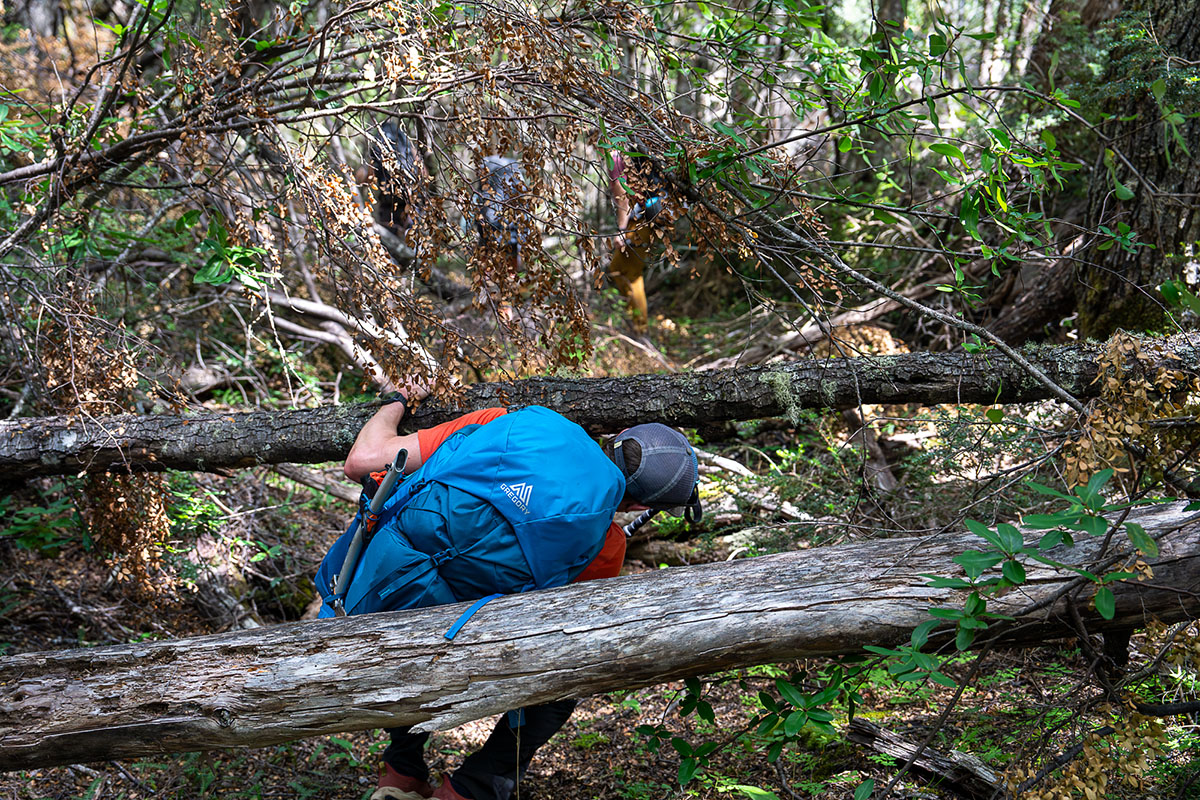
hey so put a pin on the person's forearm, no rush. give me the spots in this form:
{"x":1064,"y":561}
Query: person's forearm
{"x":621,"y":206}
{"x":377,"y":444}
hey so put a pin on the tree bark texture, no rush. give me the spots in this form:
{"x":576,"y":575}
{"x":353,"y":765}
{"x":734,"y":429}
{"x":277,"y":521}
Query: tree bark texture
{"x":1120,"y":289}
{"x":963,"y":774}
{"x":261,"y":687}
{"x":218,"y":440}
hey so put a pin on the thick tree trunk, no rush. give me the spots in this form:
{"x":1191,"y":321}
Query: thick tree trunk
{"x":262,"y":687}
{"x":1120,"y":289}
{"x":64,"y":445}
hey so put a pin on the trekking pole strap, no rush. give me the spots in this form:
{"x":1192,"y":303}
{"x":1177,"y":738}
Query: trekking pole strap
{"x":466,"y":615}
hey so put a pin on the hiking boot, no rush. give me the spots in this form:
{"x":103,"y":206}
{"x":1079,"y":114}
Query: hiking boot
{"x":394,"y":786}
{"x":446,"y":791}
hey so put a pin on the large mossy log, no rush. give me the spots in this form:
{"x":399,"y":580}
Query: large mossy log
{"x":271,"y":685}
{"x":63,"y":445}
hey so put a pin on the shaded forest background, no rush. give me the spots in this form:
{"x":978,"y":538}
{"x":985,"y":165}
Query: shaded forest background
{"x":191,"y":221}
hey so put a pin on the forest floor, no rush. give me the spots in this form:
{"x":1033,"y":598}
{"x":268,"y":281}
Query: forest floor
{"x":259,"y":536}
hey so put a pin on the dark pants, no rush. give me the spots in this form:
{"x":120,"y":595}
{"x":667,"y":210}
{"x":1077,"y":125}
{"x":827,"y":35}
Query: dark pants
{"x":493,"y":772}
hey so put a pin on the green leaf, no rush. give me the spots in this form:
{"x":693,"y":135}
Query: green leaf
{"x":1170,"y":291}
{"x":949,"y":151}
{"x":681,"y":746}
{"x":864,"y":789}
{"x":880,"y":651}
{"x":1046,"y":490}
{"x":1158,"y":89}
{"x":1014,"y":572}
{"x":975,"y":605}
{"x":755,"y":793}
{"x":936,"y":582}
{"x":1096,"y":526}
{"x":213,"y":273}
{"x":826,"y":695}
{"x":943,"y":679}
{"x":964,"y":637}
{"x":790,"y":693}
{"x":187,"y":220}
{"x":946,"y":613}
{"x":982,"y":531}
{"x":1106,"y":604}
{"x":1122,"y":191}
{"x":1045,"y":521}
{"x":975,"y":562}
{"x":1113,"y":577}
{"x":920,"y":634}
{"x":937,"y":45}
{"x":688,"y":768}
{"x":1091,"y":493}
{"x":1011,"y":539}
{"x":994,"y":415}
{"x":795,"y":722}
{"x":968,"y":214}
{"x":1142,"y":540}
{"x":844,"y":144}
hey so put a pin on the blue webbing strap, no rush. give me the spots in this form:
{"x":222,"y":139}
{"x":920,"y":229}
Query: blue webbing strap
{"x":466,"y":615}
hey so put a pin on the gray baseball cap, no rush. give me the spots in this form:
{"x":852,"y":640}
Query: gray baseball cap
{"x":666,"y":477}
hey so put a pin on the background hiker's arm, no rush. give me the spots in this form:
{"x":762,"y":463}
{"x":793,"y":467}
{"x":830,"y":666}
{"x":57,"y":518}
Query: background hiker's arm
{"x":620,"y":200}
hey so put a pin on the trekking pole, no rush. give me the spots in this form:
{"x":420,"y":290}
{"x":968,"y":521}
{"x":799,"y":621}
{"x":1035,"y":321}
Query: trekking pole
{"x":641,"y":520}
{"x":365,"y":530}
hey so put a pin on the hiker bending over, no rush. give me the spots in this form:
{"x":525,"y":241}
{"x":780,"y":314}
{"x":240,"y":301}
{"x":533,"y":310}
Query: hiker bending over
{"x":499,"y":191}
{"x":512,"y":500}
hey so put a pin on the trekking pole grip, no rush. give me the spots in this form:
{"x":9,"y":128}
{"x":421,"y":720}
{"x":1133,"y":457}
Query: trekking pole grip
{"x":641,"y":520}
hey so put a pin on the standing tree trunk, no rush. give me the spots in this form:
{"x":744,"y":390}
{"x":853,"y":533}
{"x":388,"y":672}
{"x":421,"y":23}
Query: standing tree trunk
{"x":1158,"y":46}
{"x":42,"y":17}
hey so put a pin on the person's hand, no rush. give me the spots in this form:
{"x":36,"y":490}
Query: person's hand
{"x":414,"y":390}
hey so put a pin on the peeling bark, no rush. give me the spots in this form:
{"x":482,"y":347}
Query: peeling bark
{"x":262,"y":687}
{"x":218,"y":440}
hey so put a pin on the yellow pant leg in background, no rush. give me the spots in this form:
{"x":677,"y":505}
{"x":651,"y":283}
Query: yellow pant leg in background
{"x":627,"y":271}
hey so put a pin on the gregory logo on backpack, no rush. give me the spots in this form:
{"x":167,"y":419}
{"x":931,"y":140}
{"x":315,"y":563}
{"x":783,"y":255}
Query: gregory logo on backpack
{"x":519,"y":493}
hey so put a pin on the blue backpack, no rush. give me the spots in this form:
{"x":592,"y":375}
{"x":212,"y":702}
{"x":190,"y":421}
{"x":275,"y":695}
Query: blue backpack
{"x":521,"y":503}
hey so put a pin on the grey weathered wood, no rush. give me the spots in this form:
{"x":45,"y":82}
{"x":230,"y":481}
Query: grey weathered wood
{"x":961,"y":773}
{"x":272,"y":685}
{"x":58,"y":445}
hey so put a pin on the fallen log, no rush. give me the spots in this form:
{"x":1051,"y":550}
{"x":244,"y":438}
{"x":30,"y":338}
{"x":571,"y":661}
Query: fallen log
{"x":262,"y":687}
{"x":961,"y":773}
{"x":35,"y":447}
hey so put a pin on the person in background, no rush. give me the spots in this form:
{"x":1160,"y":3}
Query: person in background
{"x":637,"y":194}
